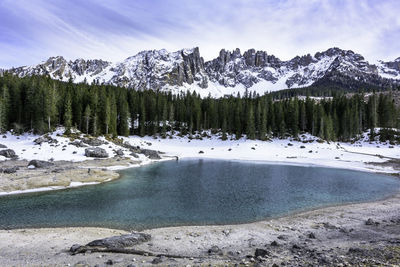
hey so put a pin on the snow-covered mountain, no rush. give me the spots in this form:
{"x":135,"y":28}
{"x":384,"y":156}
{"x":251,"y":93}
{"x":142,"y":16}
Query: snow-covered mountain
{"x":230,"y":73}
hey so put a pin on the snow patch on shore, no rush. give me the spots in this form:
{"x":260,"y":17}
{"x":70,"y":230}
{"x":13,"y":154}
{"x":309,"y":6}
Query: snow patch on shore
{"x":278,"y":151}
{"x":50,"y":188}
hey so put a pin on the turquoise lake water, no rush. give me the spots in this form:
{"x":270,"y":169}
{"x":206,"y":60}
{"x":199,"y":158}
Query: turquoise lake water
{"x":195,"y":192}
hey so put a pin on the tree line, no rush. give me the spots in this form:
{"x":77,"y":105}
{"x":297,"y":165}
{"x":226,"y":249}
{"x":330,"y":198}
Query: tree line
{"x":40,"y":104}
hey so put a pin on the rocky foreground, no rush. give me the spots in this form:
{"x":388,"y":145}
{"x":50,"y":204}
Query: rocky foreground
{"x":366,"y":234}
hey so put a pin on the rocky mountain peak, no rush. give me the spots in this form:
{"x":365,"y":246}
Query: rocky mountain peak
{"x":229,"y":73}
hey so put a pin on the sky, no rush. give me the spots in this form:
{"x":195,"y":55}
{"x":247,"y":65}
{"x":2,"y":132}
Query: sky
{"x":33,"y":30}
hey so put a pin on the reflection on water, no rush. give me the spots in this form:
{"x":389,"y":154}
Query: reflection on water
{"x":194,"y":192}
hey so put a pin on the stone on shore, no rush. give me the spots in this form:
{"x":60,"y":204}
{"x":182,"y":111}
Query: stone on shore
{"x":151,"y":154}
{"x":121,"y":241}
{"x":96,"y":152}
{"x":8,"y":153}
{"x":40,"y":163}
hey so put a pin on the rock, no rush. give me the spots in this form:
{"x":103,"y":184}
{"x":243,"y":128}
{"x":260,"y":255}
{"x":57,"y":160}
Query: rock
{"x":92,"y":142}
{"x":40,"y":140}
{"x":283,"y":237}
{"x":40,"y":163}
{"x":119,"y":152}
{"x":302,"y":147}
{"x":96,"y":152}
{"x":121,"y":241}
{"x":10,"y":170}
{"x":81,"y":264}
{"x":356,"y":250}
{"x":74,"y":247}
{"x":274,"y":243}
{"x":2,"y":146}
{"x":371,"y":222}
{"x":135,"y":149}
{"x":156,"y":260}
{"x":151,"y":154}
{"x":201,"y":152}
{"x":8,"y":153}
{"x":133,"y":154}
{"x":110,"y":262}
{"x":78,"y":143}
{"x":261,"y":253}
{"x":311,"y":235}
{"x":215,"y":250}
{"x":295,"y":246}
{"x":44,"y":139}
{"x":330,"y":226}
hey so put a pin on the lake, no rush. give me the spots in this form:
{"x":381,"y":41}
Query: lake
{"x":195,"y":192}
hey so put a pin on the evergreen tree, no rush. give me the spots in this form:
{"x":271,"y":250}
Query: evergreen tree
{"x":87,"y":114}
{"x":250,"y":131}
{"x":68,"y":115}
{"x":142,"y":119}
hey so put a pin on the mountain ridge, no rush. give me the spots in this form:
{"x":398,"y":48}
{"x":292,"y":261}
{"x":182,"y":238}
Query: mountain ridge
{"x":231,"y":72}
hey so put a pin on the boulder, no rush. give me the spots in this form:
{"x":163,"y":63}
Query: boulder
{"x":371,"y":222}
{"x":261,"y":253}
{"x":74,"y":247}
{"x":135,"y":149}
{"x":215,"y":250}
{"x":133,"y":154}
{"x":156,"y":260}
{"x":119,"y":152}
{"x":40,"y":140}
{"x":121,"y":241}
{"x":93,"y":142}
{"x":151,"y":154}
{"x":78,"y":143}
{"x":274,"y":243}
{"x":11,"y":170}
{"x":2,"y":146}
{"x":8,"y":153}
{"x":44,"y":139}
{"x":40,"y":163}
{"x":311,"y":235}
{"x":96,"y":152}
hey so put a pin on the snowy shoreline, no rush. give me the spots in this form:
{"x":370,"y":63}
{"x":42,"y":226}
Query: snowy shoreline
{"x":357,"y":156}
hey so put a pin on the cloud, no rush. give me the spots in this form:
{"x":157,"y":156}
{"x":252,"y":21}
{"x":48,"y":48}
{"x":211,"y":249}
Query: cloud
{"x":32,"y":30}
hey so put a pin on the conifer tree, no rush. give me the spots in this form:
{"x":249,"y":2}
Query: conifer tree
{"x":87,"y":115}
{"x":250,"y":131}
{"x":68,"y":115}
{"x":107,"y":115}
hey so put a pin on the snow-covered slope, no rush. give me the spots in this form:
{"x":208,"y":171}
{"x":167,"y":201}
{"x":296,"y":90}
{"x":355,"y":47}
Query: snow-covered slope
{"x":230,"y":73}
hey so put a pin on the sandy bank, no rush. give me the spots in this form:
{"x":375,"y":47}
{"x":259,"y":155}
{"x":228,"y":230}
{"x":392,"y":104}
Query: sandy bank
{"x":62,"y":174}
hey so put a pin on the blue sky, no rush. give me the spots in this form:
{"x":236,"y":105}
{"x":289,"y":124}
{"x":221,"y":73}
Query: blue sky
{"x":33,"y":30}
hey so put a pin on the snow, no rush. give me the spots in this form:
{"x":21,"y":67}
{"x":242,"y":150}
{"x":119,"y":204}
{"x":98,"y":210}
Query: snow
{"x":333,"y":154}
{"x":25,"y":148}
{"x":277,"y":151}
{"x":50,"y":188}
{"x":131,"y":72}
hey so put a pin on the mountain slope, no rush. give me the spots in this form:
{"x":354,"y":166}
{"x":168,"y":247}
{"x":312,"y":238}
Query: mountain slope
{"x":230,"y":73}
